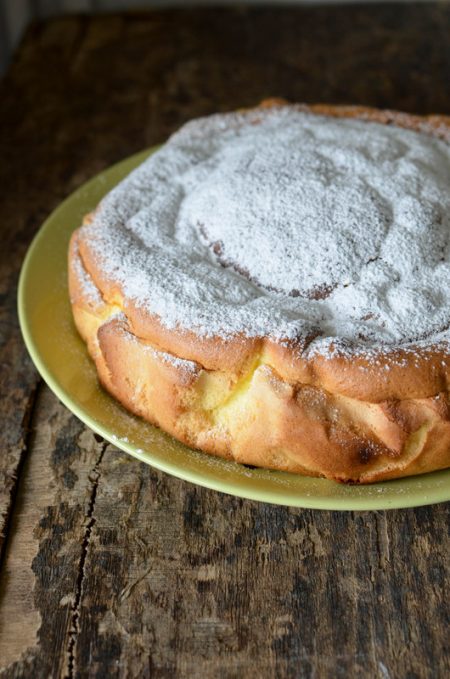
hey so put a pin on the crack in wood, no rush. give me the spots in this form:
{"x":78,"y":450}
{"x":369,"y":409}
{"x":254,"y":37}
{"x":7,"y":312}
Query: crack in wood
{"x":27,"y":427}
{"x":94,"y":477}
{"x":382,"y":541}
{"x":126,"y":591}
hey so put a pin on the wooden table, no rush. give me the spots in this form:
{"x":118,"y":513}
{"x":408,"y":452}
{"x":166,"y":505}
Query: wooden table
{"x":109,"y":568}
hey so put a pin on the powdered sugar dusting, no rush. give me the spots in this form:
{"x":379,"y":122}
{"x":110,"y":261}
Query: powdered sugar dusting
{"x":287,"y":224}
{"x":88,"y":288}
{"x":170,"y":359}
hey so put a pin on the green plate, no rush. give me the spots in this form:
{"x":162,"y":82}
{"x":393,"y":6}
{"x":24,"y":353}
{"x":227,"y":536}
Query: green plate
{"x":62,"y":360}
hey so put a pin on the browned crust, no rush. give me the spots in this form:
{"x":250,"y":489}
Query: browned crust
{"x":350,"y":418}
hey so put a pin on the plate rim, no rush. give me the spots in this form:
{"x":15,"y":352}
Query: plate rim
{"x":441,"y":493}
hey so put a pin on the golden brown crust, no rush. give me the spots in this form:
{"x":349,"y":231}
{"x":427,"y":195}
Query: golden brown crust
{"x":350,"y":418}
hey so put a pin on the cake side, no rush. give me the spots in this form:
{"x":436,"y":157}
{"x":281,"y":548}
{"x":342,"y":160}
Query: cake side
{"x":254,"y":416}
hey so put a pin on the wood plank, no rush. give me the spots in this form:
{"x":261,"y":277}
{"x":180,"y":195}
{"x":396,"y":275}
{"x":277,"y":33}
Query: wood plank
{"x":28,"y":194}
{"x":113,"y":569}
{"x":51,"y":522}
{"x":137,"y":574}
{"x":208,"y":585}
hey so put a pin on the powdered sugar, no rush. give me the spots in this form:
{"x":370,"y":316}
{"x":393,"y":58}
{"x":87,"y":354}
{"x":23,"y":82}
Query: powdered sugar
{"x":182,"y":364}
{"x":284,"y":223}
{"x":89,"y":290}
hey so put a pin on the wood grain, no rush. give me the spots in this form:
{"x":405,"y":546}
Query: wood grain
{"x":109,"y":568}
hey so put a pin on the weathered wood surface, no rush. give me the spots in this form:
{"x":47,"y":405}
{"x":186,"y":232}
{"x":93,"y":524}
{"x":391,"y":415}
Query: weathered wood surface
{"x":107,"y":567}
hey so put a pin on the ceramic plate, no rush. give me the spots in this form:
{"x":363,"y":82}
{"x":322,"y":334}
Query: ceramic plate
{"x":62,"y":360}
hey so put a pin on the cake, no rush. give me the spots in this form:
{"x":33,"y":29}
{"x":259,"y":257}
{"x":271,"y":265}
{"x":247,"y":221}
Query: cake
{"x":272,"y":286}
